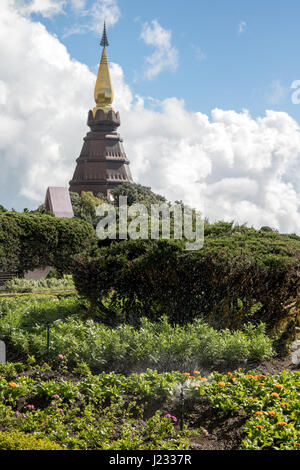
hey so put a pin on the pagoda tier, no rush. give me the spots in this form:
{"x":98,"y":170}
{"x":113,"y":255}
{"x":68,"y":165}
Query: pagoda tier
{"x":102,"y":164}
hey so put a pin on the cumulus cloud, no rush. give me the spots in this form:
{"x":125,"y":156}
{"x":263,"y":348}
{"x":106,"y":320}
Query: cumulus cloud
{"x":231,"y":165}
{"x":43,"y":101}
{"x":164,"y":56}
{"x":236,"y":167}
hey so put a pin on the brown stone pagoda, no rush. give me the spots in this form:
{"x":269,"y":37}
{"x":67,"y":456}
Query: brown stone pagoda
{"x":102,"y":164}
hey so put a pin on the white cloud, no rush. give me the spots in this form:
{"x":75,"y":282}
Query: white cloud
{"x":235,"y":166}
{"x":92,"y":18}
{"x":94,"y":13}
{"x":164,"y":56}
{"x":107,"y":10}
{"x":44,"y":97}
{"x":241,"y":28}
{"x":240,"y":168}
{"x":46,"y":8}
{"x":78,"y":4}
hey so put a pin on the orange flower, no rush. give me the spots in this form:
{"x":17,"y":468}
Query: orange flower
{"x":259,"y":426}
{"x":192,"y":377}
{"x":271,"y":413}
{"x":279,"y":386}
{"x":275,"y":395}
{"x":233,"y":379}
{"x":283,"y":405}
{"x":186,"y":373}
{"x":282,"y":423}
{"x":297,"y":444}
{"x":229,"y":373}
{"x":197,"y":386}
{"x":258,"y":413}
{"x":197,"y":372}
{"x":221,"y":384}
{"x":261,"y":384}
{"x":263,"y":376}
{"x":12,"y":384}
{"x":203,"y":379}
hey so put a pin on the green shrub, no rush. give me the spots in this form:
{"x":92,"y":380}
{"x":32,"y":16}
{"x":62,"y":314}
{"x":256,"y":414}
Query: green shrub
{"x":17,"y":440}
{"x":235,"y":271}
{"x":11,"y":370}
{"x":136,"y":193}
{"x":29,"y":241}
{"x":235,"y":349}
{"x":85,"y":205}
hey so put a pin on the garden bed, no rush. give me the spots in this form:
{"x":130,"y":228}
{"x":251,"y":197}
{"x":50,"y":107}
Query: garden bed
{"x":229,"y":411}
{"x":91,"y":386}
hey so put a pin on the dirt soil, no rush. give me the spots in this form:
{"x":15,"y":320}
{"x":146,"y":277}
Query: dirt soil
{"x":271,"y":366}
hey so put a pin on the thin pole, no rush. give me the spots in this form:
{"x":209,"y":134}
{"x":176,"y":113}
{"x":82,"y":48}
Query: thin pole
{"x":48,"y":339}
{"x":181,"y":408}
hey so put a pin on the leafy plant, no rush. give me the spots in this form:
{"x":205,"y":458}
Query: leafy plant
{"x":157,"y":344}
{"x":17,"y":440}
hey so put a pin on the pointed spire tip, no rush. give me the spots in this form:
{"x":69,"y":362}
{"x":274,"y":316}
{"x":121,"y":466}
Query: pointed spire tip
{"x":104,"y":41}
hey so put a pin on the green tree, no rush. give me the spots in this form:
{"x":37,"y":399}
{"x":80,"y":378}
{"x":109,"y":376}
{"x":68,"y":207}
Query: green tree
{"x":136,"y":193}
{"x":85,"y":206}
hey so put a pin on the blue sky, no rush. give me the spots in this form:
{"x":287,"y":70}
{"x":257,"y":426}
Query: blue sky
{"x":218,"y":64}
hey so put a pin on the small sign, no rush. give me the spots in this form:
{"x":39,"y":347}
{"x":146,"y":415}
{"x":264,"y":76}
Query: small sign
{"x":2,"y":352}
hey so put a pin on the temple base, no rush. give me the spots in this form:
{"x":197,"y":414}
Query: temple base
{"x":102,"y":164}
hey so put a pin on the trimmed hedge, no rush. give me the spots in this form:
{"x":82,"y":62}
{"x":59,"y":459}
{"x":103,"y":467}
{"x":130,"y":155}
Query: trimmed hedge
{"x":236,"y":278}
{"x":29,"y":241}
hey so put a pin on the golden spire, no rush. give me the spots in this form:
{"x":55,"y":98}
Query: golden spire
{"x":104,"y":93}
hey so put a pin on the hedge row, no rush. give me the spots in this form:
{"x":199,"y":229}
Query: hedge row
{"x":29,"y":241}
{"x":226,"y":286}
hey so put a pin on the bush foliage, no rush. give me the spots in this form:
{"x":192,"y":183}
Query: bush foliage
{"x":29,"y":241}
{"x":18,"y":440}
{"x":136,"y":193}
{"x":85,"y":205}
{"x":240,"y":275}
